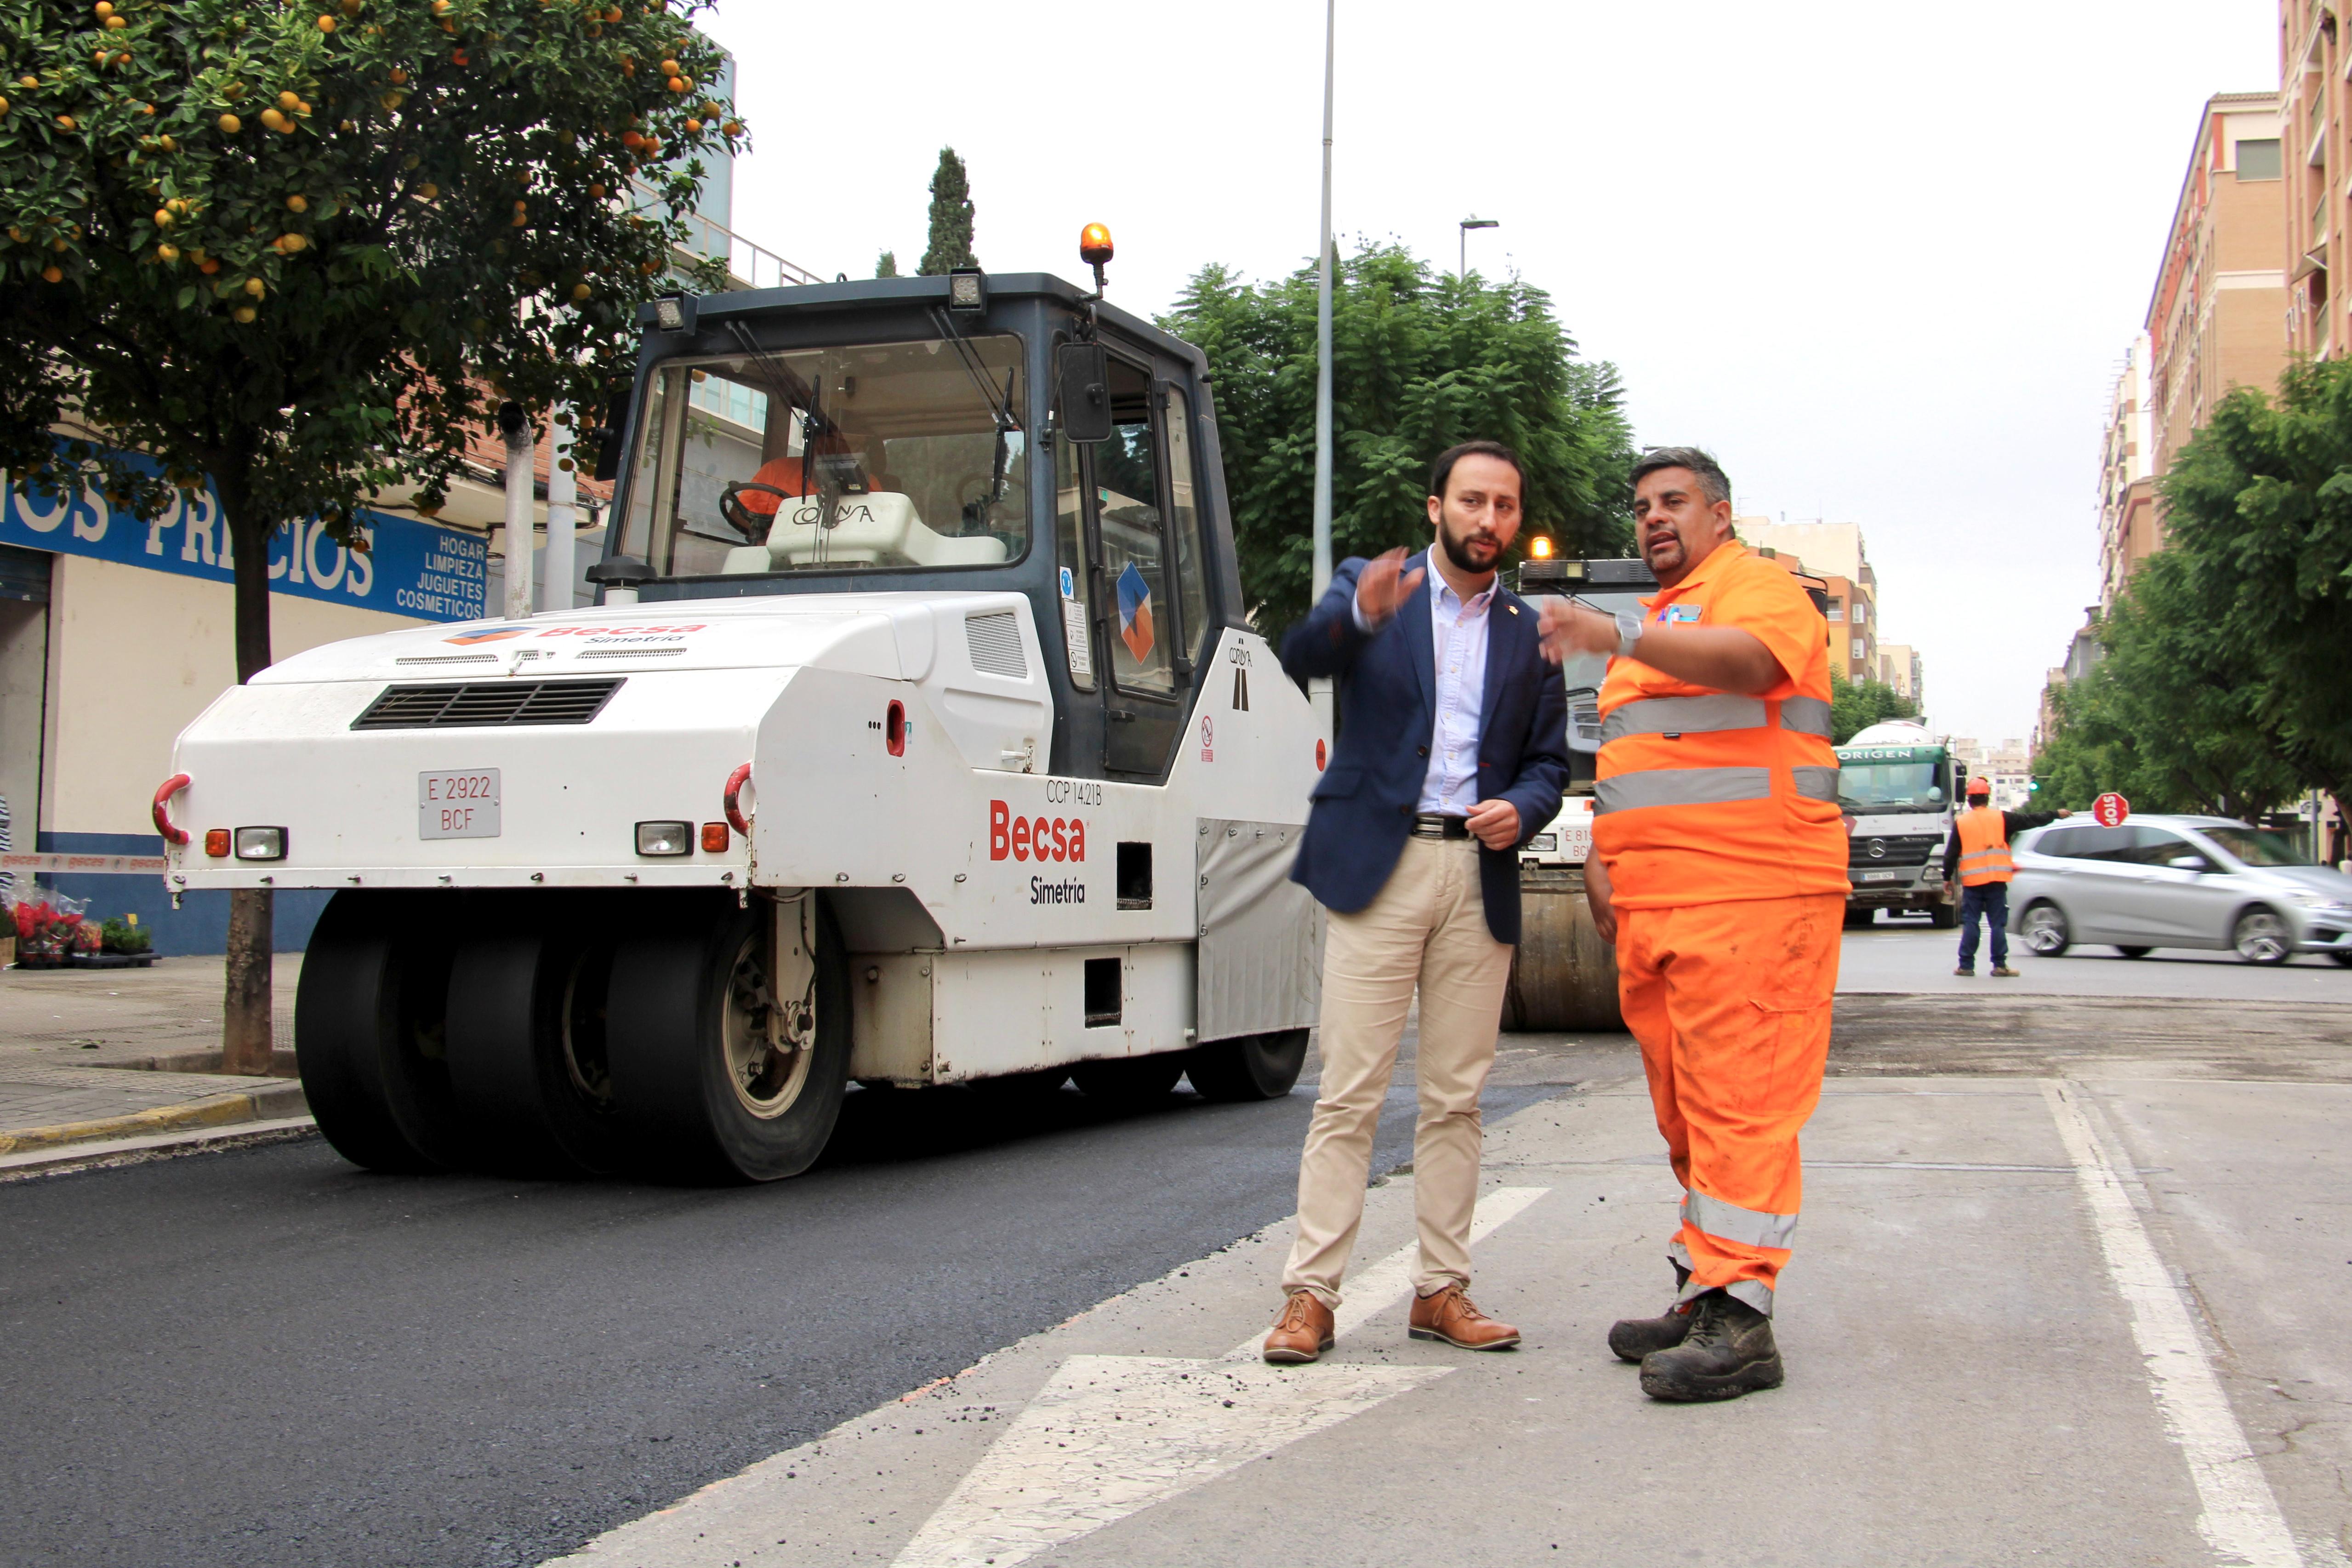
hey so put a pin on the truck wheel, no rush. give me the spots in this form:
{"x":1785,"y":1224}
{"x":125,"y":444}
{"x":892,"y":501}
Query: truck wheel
{"x":702,"y":1095}
{"x":1858,"y":917}
{"x":1253,"y":1066}
{"x":369,"y":1019}
{"x":1943,"y":917}
{"x":527,"y":1057}
{"x":1130,"y":1083}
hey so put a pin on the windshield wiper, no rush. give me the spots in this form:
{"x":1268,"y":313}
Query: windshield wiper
{"x":1000,"y":408}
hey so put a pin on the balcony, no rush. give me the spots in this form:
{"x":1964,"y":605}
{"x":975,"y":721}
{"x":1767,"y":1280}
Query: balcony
{"x":748,"y":265}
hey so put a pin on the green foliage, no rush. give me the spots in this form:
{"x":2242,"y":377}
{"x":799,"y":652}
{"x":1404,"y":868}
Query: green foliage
{"x":888,"y":267}
{"x":305,"y":260}
{"x":950,"y":240}
{"x":1856,"y":705}
{"x":119,"y":935}
{"x":2224,"y":687}
{"x":1421,"y":360}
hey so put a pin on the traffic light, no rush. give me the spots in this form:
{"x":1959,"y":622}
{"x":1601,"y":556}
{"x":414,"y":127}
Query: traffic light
{"x":2033,"y":787}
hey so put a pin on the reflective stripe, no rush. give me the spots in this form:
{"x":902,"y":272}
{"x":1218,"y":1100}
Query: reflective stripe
{"x":1682,"y":716}
{"x":1816,"y":783}
{"x":1683,"y":787}
{"x":1749,"y":1227}
{"x":1806,"y":715}
{"x":1755,"y":1292}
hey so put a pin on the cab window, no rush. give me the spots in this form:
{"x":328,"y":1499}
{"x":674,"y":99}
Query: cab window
{"x":1185,"y":518}
{"x":1070,"y":546}
{"x":1131,"y":507}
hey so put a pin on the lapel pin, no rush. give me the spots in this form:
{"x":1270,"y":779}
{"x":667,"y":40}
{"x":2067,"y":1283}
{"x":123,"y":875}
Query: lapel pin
{"x":1513,"y":608}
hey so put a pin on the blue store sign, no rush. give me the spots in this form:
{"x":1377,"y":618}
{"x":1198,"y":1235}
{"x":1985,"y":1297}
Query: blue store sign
{"x":410,"y":567}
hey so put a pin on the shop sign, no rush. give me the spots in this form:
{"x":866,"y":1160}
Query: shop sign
{"x":410,"y":568}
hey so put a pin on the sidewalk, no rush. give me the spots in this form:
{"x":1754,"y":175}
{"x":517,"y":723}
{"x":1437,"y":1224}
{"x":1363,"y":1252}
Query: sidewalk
{"x":76,"y":1047}
{"x":1974,"y":1377}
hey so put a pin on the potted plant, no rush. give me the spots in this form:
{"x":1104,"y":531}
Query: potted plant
{"x":121,"y":943}
{"x":47,"y":930}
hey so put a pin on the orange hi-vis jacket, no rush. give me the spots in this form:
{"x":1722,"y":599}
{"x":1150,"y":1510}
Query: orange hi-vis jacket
{"x":1706,"y":797}
{"x":1984,"y":846}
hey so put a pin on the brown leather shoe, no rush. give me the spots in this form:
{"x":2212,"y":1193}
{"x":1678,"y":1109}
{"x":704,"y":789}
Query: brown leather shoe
{"x":1302,"y":1332}
{"x":1449,"y":1316}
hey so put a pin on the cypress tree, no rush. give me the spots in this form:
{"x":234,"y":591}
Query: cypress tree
{"x":888,"y":266}
{"x":951,"y":244}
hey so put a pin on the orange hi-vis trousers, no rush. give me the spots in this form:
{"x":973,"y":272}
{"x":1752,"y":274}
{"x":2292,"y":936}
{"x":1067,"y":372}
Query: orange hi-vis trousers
{"x":1731,"y":1004}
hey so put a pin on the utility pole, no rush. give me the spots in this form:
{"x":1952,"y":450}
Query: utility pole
{"x":562,"y":488}
{"x":1318,"y":691}
{"x":1474,"y":221}
{"x":516,"y":430}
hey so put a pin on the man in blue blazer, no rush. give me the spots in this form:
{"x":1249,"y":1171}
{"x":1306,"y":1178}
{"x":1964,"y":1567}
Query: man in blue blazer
{"x":1452,"y":750}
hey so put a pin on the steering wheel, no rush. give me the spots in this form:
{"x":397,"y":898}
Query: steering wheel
{"x":752,"y":525}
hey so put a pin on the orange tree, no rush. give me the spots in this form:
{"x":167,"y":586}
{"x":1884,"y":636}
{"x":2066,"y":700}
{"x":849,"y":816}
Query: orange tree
{"x":302,"y":248}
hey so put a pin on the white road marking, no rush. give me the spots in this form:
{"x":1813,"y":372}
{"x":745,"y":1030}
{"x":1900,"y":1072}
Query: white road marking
{"x":1112,"y":1436}
{"x":2239,"y":1517}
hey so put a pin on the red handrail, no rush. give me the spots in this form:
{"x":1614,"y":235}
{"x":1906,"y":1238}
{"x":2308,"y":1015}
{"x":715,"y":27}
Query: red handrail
{"x":735,"y":782}
{"x":170,"y":786}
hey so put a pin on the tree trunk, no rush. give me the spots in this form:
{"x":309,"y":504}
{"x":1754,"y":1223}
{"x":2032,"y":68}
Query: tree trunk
{"x":246,"y":1033}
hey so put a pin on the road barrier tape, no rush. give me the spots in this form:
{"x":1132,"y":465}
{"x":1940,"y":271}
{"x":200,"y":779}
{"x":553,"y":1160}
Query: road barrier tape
{"x":86,"y":865}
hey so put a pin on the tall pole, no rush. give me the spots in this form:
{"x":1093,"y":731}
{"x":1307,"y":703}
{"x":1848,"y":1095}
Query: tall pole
{"x":1318,"y":691}
{"x":519,"y":476}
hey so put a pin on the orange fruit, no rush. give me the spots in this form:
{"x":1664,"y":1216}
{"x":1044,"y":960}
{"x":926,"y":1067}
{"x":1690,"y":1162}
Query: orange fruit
{"x":244,"y":315}
{"x":164,"y":217}
{"x":399,"y":75}
{"x":290,"y":101}
{"x":275,"y":121}
{"x":428,"y":190}
{"x":167,"y":253}
{"x":298,"y":203}
{"x":391,"y":101}
{"x":677,"y":84}
{"x":52,"y":274}
{"x":326,"y":24}
{"x":289,"y":244}
{"x":581,"y":291}
{"x":670,"y":67}
{"x":104,"y":7}
{"x":596,"y":189}
{"x":256,"y":286}
{"x":230,"y":124}
{"x":209,"y":266}
{"x":65,"y":121}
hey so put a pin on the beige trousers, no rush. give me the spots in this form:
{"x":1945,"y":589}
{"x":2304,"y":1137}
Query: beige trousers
{"x":1426,"y":929}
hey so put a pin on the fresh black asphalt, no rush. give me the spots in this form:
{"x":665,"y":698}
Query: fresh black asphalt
{"x":264,"y":1358}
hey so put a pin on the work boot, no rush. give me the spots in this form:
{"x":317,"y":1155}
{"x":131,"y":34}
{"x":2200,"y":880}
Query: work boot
{"x":2003,"y":972}
{"x":1302,"y":1332}
{"x":1965,"y":970}
{"x":1449,"y":1316}
{"x":1632,"y":1339}
{"x":1728,"y":1353}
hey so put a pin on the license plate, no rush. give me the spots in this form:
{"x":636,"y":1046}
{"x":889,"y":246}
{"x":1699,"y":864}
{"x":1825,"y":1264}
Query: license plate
{"x":458,"y":804}
{"x":1882,"y":876}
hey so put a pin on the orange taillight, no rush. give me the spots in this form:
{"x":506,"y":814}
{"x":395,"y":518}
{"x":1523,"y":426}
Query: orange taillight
{"x":714,"y":839}
{"x":216,"y":842}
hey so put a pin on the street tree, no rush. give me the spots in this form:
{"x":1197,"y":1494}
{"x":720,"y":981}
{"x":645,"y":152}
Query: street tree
{"x":951,"y":237}
{"x":1421,"y":360}
{"x":1856,"y":705}
{"x":888,"y":265}
{"x":304,"y":249}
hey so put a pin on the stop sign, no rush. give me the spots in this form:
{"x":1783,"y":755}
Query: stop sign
{"x":2110,"y":809}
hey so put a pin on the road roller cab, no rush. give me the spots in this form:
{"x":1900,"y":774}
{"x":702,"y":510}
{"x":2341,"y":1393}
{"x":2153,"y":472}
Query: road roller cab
{"x":918,"y":738}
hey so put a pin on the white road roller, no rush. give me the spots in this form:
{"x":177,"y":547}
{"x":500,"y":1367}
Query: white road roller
{"x":918,"y":739}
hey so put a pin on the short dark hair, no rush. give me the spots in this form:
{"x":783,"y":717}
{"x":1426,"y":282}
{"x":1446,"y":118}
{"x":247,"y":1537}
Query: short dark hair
{"x":1713,"y":482}
{"x":1443,"y":469}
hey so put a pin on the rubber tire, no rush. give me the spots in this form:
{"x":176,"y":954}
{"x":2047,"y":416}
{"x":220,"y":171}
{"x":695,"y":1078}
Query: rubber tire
{"x":1250,"y":1067}
{"x":369,"y":1014}
{"x":2134,"y":952}
{"x":1860,"y":920}
{"x":2065,"y":931}
{"x":2343,"y":956}
{"x":1944,"y":917}
{"x":508,"y":991}
{"x":680,"y":1118}
{"x":2237,"y":938}
{"x":1130,"y":1083}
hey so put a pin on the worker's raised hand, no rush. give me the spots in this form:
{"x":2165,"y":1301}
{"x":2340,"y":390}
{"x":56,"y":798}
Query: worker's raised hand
{"x":1385,"y":584}
{"x":1569,"y":629}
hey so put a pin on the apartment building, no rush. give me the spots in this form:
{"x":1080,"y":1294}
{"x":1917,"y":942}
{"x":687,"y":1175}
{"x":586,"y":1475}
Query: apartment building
{"x":1836,"y":553}
{"x":1899,"y":666}
{"x":2316,"y":158}
{"x":2128,"y":530}
{"x":2213,"y":317}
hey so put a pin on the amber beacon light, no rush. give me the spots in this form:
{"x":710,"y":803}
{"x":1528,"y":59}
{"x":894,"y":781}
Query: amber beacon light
{"x":1095,"y":250}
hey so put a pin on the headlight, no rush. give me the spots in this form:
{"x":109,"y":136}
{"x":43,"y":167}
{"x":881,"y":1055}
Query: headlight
{"x":1544,"y":843}
{"x":664,"y":839}
{"x":2320,"y":902}
{"x":261,"y":844}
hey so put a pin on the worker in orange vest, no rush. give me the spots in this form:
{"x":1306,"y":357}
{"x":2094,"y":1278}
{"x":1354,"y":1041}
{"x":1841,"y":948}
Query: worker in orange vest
{"x":1719,"y":869}
{"x":1977,"y":854}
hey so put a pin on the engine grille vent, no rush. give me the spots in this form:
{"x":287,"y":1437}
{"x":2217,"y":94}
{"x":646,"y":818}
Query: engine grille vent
{"x":1893,"y":849}
{"x":487,"y":703}
{"x":995,"y":639}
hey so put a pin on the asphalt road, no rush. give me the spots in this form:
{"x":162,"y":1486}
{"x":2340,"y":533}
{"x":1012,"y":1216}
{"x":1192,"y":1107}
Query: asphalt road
{"x":265,"y":1357}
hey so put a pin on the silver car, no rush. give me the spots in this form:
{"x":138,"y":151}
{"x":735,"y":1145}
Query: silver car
{"x":2176,"y":881}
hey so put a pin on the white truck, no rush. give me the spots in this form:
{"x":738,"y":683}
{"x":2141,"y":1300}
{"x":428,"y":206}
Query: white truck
{"x":918,"y":738}
{"x":1897,"y":782}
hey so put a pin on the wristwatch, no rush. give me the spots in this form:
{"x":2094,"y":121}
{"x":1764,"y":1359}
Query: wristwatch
{"x":1629,"y":633}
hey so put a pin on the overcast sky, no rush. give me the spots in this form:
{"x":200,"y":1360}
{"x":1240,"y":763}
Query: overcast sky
{"x":1883,"y":260}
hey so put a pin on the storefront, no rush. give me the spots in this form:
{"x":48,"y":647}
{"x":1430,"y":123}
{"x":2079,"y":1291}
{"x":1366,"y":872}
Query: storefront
{"x":115,"y":633}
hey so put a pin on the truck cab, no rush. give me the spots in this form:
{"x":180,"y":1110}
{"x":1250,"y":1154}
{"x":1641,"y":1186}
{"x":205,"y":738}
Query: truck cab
{"x":1897,"y":784}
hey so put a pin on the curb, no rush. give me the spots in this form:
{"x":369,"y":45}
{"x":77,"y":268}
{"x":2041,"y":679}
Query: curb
{"x":214,"y":1111}
{"x":127,"y":1151}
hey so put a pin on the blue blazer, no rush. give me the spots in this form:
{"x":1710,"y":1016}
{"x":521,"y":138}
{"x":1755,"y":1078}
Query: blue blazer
{"x":1365,"y":802}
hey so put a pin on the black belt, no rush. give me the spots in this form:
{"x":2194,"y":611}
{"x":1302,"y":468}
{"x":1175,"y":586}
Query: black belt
{"x":1430,"y":824}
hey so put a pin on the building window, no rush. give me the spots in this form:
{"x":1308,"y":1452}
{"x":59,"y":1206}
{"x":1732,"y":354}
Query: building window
{"x":1837,"y":609}
{"x":1860,"y":611}
{"x":1860,"y":649}
{"x":2258,"y":160}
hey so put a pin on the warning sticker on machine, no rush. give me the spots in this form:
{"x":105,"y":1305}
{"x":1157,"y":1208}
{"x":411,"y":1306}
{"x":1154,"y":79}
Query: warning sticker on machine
{"x":1074,"y":633}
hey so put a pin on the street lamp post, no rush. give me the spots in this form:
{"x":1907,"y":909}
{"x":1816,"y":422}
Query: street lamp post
{"x":1467,"y":225}
{"x":1319,"y":690}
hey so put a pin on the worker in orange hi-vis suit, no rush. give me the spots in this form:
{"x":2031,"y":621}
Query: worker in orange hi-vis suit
{"x":1718,"y":869}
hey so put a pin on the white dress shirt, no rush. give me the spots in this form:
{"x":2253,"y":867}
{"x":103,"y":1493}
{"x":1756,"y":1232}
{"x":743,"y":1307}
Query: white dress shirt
{"x":1457,"y":633}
